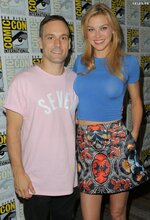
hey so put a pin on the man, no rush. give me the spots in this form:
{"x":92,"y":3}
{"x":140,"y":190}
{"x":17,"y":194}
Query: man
{"x":40,"y":107}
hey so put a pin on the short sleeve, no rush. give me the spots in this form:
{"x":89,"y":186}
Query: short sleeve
{"x":133,"y":69}
{"x":15,"y":97}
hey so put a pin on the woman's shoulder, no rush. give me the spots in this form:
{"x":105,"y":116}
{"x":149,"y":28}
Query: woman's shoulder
{"x":131,"y":68}
{"x":130,"y":59}
{"x":79,"y":57}
{"x":78,"y":65}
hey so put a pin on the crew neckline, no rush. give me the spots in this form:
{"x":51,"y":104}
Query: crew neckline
{"x":99,"y":58}
{"x":40,"y":70}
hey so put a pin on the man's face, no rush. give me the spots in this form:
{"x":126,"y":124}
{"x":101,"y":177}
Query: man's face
{"x":55,"y":42}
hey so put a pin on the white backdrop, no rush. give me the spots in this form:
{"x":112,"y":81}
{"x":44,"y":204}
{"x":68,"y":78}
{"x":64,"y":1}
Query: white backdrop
{"x":19,"y":24}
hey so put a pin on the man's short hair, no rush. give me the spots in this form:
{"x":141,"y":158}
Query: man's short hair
{"x":53,"y":18}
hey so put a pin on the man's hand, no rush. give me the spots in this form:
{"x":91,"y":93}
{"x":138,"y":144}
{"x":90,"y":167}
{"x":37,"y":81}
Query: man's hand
{"x":23,"y":186}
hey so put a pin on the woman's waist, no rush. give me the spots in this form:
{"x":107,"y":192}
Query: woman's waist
{"x":86,"y":122}
{"x":102,"y":117}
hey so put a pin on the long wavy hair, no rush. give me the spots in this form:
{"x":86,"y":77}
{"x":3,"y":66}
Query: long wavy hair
{"x":116,"y":52}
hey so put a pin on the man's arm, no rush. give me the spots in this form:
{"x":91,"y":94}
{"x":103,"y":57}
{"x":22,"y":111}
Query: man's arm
{"x":22,"y":182}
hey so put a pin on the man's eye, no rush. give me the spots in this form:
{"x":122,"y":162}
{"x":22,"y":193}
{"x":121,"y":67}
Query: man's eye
{"x":64,"y":38}
{"x":50,"y":37}
{"x":90,"y":29}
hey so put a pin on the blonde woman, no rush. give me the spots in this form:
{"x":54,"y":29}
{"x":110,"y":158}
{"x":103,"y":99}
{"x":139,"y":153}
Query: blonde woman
{"x":107,"y":158}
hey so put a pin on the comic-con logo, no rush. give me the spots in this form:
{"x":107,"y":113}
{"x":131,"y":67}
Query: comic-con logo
{"x":1,"y":78}
{"x":145,"y":65}
{"x":81,"y":6}
{"x":4,"y":159}
{"x":133,"y":40}
{"x":36,"y":60}
{"x":39,"y":7}
{"x":145,"y":15}
{"x":15,"y":37}
{"x":8,"y":210}
{"x":118,"y":8}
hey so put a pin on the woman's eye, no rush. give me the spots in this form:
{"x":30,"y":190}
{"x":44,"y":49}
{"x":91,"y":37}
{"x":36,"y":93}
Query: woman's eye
{"x":104,"y":28}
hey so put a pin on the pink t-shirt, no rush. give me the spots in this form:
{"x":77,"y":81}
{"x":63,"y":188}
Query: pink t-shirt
{"x":47,"y":104}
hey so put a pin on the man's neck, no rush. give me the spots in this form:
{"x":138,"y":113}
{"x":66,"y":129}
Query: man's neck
{"x":52,"y":68}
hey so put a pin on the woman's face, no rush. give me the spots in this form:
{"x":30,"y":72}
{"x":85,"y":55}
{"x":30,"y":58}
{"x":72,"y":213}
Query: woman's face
{"x":99,"y":35}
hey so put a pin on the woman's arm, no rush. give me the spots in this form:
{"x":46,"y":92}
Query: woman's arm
{"x":136,"y":108}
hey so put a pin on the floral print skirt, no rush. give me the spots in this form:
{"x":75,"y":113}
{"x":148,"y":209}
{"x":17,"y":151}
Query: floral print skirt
{"x":107,"y":159}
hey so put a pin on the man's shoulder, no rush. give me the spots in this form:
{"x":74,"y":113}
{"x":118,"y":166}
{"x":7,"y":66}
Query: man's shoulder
{"x":70,"y":72}
{"x":25,"y":73}
{"x":24,"y":76}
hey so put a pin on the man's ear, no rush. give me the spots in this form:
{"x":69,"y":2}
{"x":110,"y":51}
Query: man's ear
{"x":40,"y":43}
{"x":69,"y":43}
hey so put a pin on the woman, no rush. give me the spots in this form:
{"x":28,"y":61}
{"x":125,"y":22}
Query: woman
{"x":107,"y":159}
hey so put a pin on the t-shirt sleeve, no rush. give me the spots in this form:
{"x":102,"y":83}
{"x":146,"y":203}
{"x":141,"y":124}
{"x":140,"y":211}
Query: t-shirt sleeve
{"x":15,"y":97}
{"x":133,"y":70}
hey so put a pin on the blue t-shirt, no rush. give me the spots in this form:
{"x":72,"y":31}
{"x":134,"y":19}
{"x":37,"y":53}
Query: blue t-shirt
{"x":100,"y":93}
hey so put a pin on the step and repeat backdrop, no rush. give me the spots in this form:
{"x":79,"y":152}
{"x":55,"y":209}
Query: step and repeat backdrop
{"x":19,"y":24}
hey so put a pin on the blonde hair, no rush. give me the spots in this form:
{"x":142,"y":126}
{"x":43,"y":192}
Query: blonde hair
{"x":114,"y":60}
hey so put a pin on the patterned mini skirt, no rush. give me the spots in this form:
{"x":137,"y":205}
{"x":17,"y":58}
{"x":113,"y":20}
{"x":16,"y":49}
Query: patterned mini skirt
{"x":107,"y":159}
